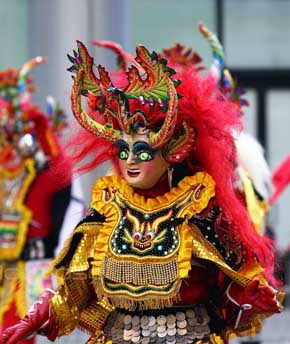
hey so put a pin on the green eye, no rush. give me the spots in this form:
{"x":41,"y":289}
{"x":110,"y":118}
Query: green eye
{"x":144,"y":156}
{"x":123,"y":155}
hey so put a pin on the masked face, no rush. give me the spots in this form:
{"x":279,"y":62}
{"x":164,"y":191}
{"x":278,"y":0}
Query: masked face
{"x":141,"y":166}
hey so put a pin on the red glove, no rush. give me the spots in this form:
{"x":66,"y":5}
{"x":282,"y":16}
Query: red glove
{"x":251,"y":300}
{"x":37,"y":320}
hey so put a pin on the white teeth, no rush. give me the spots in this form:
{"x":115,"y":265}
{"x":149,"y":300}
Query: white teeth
{"x":134,"y":171}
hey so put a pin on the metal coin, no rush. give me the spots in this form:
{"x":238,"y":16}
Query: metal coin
{"x":181,"y":324}
{"x":199,"y":335}
{"x":136,"y":333}
{"x":135,"y":339}
{"x":190,"y":313}
{"x":144,"y":320}
{"x":152,"y":321}
{"x":162,"y":334}
{"x":192,"y":321}
{"x":145,"y":340}
{"x":146,"y":333}
{"x":161,"y":320}
{"x":135,"y":320}
{"x":181,"y":331}
{"x":169,"y":338}
{"x":161,"y":328}
{"x":180,"y":316}
{"x":172,"y":325}
{"x":153,"y":328}
{"x":127,"y":337}
{"x":136,"y":327}
{"x":144,"y":327}
{"x":128,"y":326}
{"x":171,"y":331}
{"x":171,"y":318}
{"x":191,"y":335}
{"x":128,"y":332}
{"x":127,"y":319}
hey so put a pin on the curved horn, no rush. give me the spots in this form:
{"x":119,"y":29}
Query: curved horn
{"x":160,"y":138}
{"x":84,"y":119}
{"x":133,"y":219}
{"x":217,"y":52}
{"x":155,"y":224}
{"x":25,"y":69}
{"x":124,"y":56}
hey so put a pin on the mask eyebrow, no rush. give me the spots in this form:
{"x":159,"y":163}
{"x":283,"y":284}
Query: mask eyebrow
{"x":141,"y":146}
{"x":121,"y":144}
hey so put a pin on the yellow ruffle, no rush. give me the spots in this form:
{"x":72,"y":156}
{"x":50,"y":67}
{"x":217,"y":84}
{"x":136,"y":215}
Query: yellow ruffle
{"x":152,"y":204}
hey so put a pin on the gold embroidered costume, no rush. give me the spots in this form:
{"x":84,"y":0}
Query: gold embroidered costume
{"x":137,"y":258}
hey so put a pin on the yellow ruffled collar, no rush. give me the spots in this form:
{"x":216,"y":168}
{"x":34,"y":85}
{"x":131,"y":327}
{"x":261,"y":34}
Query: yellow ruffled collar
{"x":117,"y":184}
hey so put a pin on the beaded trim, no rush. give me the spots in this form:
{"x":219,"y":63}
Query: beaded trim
{"x":140,"y":274}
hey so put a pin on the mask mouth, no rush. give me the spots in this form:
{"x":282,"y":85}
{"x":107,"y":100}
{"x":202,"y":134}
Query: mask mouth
{"x":133,"y":173}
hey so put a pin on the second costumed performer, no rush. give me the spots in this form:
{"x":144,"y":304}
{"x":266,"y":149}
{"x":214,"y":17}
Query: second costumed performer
{"x":168,"y":253}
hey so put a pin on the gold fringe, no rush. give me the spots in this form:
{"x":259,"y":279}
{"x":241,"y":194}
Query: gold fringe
{"x":130,"y":301}
{"x":160,"y":273}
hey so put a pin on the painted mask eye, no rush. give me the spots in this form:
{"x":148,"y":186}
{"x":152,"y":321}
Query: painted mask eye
{"x":144,"y":156}
{"x":123,"y":155}
{"x":149,"y":236}
{"x":137,"y":236}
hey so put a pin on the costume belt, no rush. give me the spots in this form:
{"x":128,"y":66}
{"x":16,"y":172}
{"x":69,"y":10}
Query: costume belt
{"x":162,"y":326}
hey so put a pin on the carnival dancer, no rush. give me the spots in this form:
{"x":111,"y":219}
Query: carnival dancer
{"x":35,"y":179}
{"x":168,"y":252}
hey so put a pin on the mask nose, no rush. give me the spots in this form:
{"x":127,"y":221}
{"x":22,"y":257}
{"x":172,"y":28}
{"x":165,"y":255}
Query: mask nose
{"x":131,"y":159}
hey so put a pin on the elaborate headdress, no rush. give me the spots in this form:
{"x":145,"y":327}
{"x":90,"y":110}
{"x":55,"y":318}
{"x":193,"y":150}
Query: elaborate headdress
{"x":18,"y":115}
{"x":149,"y":82}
